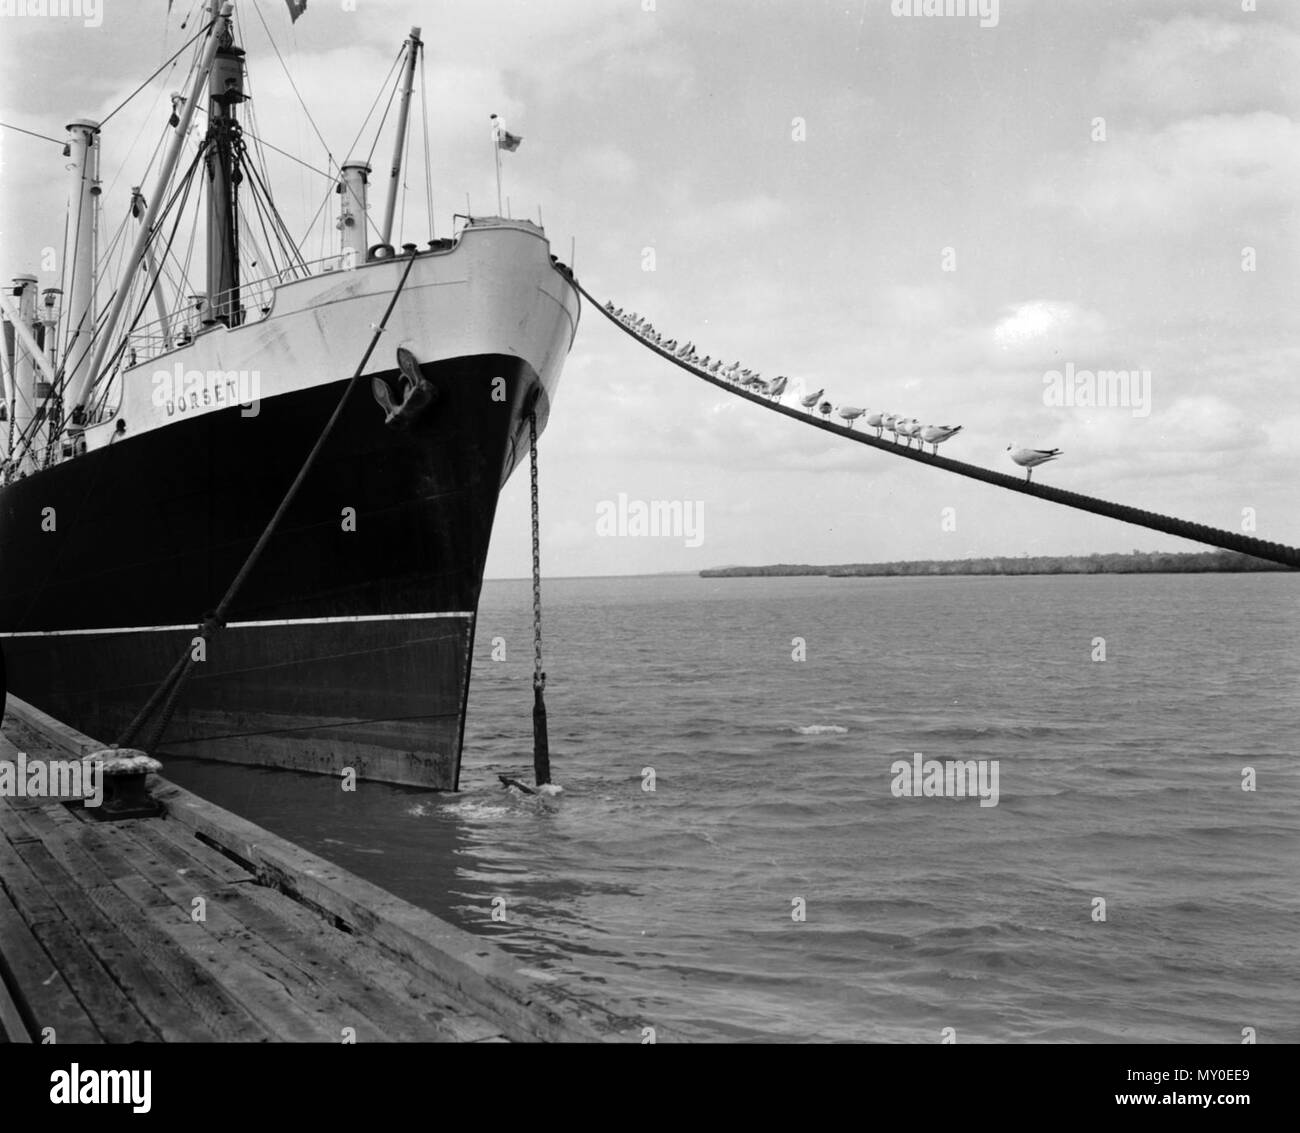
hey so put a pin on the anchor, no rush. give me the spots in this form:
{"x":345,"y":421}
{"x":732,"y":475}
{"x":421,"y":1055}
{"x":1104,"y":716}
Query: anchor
{"x":419,"y":392}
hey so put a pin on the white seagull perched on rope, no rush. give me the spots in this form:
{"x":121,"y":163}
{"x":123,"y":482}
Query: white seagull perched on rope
{"x":935,"y":435}
{"x":911,"y":429}
{"x":850,"y":413}
{"x":812,"y":399}
{"x":1031,"y":458}
{"x":777,"y":388}
{"x":876,"y":421}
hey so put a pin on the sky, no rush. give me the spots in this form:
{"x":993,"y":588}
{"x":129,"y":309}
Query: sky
{"x":919,"y":214}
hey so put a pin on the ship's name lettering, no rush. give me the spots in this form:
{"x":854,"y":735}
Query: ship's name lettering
{"x":182,"y":391}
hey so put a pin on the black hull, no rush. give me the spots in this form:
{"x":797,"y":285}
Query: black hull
{"x":345,"y":648}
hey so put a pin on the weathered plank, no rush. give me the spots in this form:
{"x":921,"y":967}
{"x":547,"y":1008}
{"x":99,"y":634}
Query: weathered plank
{"x":213,"y":1014}
{"x":39,"y":989}
{"x":28,"y":894}
{"x":213,"y":860}
{"x":261,"y":995}
{"x":115,"y":1017}
{"x":55,"y":732}
{"x":430,"y":1007}
{"x":155,"y":999}
{"x":351,"y":970}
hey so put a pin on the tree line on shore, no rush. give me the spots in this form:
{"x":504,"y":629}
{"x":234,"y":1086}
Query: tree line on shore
{"x":1138,"y":562}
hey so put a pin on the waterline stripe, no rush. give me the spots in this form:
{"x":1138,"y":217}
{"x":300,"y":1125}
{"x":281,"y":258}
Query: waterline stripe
{"x":245,"y":625}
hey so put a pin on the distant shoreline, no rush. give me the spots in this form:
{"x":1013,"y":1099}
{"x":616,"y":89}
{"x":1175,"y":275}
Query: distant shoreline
{"x":1139,"y":562}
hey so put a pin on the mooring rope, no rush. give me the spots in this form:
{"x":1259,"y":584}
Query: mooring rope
{"x":1170,"y":525}
{"x":168,"y":692}
{"x":541,"y":742}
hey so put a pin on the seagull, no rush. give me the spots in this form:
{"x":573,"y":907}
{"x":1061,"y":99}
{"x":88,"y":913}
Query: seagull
{"x":935,"y":435}
{"x":716,"y":366}
{"x":812,"y":399}
{"x":760,"y":387}
{"x":890,"y":422}
{"x":850,"y":413}
{"x":825,"y":409}
{"x":911,"y":429}
{"x":1031,"y":458}
{"x":876,"y":421}
{"x":777,"y":388}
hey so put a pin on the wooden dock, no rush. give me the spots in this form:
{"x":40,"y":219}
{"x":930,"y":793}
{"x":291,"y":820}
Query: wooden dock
{"x":198,"y":926}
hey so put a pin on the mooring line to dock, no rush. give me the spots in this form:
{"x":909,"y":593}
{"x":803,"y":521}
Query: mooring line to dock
{"x":164,"y":697}
{"x":1170,"y":525}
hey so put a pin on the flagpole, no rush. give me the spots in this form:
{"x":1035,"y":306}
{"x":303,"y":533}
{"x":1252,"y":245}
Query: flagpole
{"x":496,"y":154}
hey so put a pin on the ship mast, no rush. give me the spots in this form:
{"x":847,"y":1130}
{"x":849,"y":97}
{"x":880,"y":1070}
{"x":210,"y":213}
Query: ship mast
{"x":413,"y":46}
{"x":223,"y":145}
{"x":83,"y":144}
{"x":105,"y":338}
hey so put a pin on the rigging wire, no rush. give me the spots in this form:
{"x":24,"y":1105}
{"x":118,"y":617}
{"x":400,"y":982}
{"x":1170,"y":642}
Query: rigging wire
{"x":285,"y":153}
{"x":271,"y":39}
{"x":158,"y":72}
{"x":391,"y":96}
{"x":33,"y":134}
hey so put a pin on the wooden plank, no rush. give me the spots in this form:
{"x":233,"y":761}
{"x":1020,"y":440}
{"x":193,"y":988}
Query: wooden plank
{"x":215,"y":1014}
{"x":28,"y":894}
{"x":432,"y":1007}
{"x":37,"y":987}
{"x":114,"y":1015}
{"x":58,"y":734}
{"x":271,"y":955}
{"x":109,"y":850}
{"x":13,"y":824}
{"x":259,"y":994}
{"x":13,"y":1028}
{"x":316,"y":948}
{"x":155,"y":999}
{"x":283,"y":949}
{"x":184,"y":838}
{"x":192,"y":859}
{"x":34,"y":824}
{"x":218,"y":1015}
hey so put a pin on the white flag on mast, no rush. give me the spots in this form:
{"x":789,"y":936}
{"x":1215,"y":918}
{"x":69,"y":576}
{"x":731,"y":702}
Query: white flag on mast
{"x":504,"y":138}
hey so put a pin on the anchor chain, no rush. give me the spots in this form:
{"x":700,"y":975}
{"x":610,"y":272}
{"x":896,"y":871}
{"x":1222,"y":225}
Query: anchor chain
{"x":541,"y":744}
